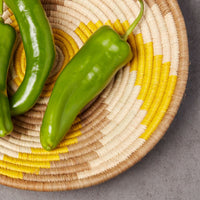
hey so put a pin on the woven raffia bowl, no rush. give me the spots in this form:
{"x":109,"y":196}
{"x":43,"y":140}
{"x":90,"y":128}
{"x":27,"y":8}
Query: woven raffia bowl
{"x":119,"y":127}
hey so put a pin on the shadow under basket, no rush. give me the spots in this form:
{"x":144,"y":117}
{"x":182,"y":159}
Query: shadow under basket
{"x":119,"y":127}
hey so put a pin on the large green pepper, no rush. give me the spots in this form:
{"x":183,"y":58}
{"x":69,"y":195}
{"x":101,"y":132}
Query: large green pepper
{"x":85,"y":76}
{"x":39,"y":48}
{"x":7,"y":41}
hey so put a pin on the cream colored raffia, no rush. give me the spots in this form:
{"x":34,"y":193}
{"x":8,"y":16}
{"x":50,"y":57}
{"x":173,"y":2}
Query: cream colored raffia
{"x":120,"y":126}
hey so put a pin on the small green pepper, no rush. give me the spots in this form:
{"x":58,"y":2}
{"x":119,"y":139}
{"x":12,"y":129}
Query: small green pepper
{"x":7,"y":41}
{"x":85,"y":76}
{"x":39,"y":47}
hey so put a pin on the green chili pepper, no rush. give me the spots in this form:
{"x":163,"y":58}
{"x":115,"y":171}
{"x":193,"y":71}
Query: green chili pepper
{"x":7,"y":41}
{"x":85,"y":76}
{"x":39,"y":48}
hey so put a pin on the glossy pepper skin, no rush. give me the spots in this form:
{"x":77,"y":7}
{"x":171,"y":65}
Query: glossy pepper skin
{"x":39,"y":48}
{"x":7,"y":41}
{"x":85,"y":76}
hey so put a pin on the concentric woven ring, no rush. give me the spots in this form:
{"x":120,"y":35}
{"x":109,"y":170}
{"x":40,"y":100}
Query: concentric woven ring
{"x":121,"y":125}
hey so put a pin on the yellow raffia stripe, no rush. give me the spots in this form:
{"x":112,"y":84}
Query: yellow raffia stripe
{"x":159,"y":94}
{"x":23,"y":61}
{"x":84,"y":32}
{"x":92,"y":26}
{"x":10,"y":173}
{"x":162,"y":109}
{"x":19,"y":168}
{"x":20,"y":64}
{"x":73,"y":134}
{"x":157,"y":63}
{"x":39,"y":157}
{"x":141,"y":59}
{"x":81,"y":35}
{"x":14,"y":23}
{"x":99,"y":24}
{"x":118,"y":27}
{"x":85,"y":29}
{"x":53,"y":152}
{"x":28,"y":163}
{"x":109,"y":23}
{"x":68,"y":38}
{"x":67,"y":142}
{"x":169,"y":93}
{"x":132,"y":42}
{"x":148,"y":70}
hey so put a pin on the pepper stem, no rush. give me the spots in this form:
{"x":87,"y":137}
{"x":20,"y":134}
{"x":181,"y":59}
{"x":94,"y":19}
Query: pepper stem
{"x":1,"y":10}
{"x":135,"y":23}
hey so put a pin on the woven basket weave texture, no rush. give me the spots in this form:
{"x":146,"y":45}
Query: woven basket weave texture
{"x":119,"y":127}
